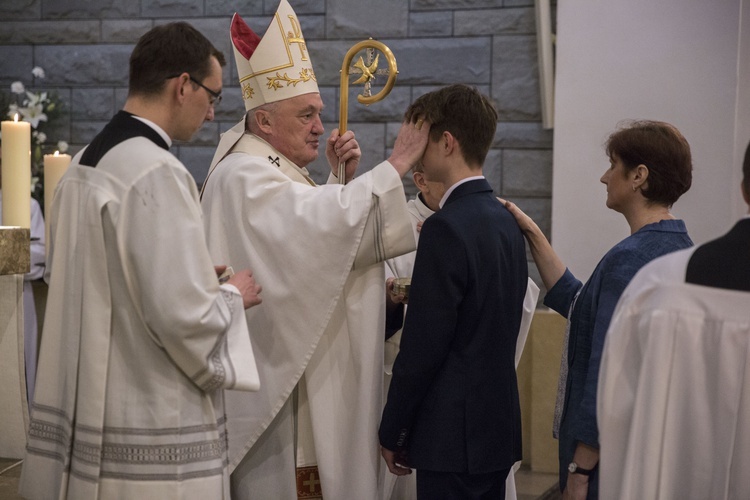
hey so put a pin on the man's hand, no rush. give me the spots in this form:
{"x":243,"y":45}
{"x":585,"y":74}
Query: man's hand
{"x":410,"y":144}
{"x":396,"y":298}
{"x":248,"y":288}
{"x":344,"y":149}
{"x":396,"y":461}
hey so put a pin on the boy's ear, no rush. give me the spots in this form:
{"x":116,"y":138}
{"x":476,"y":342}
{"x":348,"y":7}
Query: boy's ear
{"x":418,"y":179}
{"x":447,"y":143}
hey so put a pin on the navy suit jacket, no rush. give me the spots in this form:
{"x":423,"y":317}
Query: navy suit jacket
{"x":723,"y":262}
{"x":453,"y":400}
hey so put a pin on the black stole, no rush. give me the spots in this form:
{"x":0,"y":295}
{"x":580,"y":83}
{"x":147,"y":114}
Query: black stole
{"x":122,"y":127}
{"x":723,"y":262}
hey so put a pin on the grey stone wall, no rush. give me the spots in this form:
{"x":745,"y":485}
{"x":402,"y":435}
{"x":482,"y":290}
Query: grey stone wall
{"x":83,"y":46}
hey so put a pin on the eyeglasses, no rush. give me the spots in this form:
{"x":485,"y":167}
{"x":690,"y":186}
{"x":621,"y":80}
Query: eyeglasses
{"x":215,"y":98}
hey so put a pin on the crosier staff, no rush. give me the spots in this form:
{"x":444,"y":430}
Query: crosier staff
{"x":369,"y":70}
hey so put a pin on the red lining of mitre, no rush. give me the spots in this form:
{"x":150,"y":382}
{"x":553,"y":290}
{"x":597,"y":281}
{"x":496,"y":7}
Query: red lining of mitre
{"x":244,"y":38}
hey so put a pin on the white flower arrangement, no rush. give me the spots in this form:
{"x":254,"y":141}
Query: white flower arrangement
{"x":39,"y":109}
{"x":34,"y":108}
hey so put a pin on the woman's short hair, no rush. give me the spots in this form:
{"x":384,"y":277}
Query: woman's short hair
{"x":660,"y":147}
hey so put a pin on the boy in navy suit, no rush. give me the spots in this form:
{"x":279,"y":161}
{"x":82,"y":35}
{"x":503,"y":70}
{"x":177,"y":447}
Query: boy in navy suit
{"x":452,"y":410}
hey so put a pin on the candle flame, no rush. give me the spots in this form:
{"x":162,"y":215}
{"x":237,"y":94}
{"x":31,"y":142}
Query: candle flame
{"x":57,"y":153}
{"x":15,"y":118}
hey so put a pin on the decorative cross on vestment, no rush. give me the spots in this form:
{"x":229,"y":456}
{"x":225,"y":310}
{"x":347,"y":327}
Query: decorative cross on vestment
{"x":308,"y":483}
{"x":274,"y":160}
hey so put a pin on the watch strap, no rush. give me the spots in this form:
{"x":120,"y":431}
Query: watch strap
{"x":574,"y":468}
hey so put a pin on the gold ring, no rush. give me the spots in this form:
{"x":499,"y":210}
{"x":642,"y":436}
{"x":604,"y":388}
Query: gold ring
{"x":419,"y":124}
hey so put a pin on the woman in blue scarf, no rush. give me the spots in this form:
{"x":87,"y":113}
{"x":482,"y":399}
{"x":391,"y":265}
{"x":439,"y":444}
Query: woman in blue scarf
{"x":650,"y":168}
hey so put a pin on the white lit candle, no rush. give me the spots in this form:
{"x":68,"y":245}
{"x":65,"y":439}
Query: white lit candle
{"x":16,"y":172}
{"x":54,"y":167}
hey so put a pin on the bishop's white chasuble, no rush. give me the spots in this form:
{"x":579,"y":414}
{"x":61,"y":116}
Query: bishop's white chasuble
{"x":318,"y":253}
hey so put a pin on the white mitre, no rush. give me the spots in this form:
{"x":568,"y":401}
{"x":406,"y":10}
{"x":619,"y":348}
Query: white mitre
{"x":274,"y":67}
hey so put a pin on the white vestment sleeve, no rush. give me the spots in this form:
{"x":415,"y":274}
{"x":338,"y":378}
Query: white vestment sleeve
{"x":170,"y":274}
{"x":239,"y":353}
{"x":382,"y":239}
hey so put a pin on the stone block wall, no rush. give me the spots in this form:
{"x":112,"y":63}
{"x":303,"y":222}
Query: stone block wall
{"x":84,"y":46}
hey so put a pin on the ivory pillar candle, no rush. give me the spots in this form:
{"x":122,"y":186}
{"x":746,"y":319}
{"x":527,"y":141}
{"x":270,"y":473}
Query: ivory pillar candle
{"x":16,"y":172}
{"x":54,"y":167}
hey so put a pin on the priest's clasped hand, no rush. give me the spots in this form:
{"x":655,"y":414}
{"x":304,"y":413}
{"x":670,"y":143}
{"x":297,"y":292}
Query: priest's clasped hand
{"x":245,"y":284}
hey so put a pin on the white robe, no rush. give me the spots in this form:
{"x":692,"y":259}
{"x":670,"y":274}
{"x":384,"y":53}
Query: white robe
{"x":138,"y":340}
{"x":404,"y":487}
{"x":674,"y":389}
{"x":315,"y":250}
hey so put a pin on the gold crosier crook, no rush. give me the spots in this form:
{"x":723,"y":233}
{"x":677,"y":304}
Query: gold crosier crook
{"x":368,"y":71}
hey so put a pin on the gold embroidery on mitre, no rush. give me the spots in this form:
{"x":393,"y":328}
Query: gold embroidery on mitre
{"x":275,"y":71}
{"x":305,"y":75}
{"x":247,"y":91}
{"x":295,"y":36}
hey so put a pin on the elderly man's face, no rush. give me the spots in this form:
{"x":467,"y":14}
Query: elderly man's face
{"x":296,"y":128}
